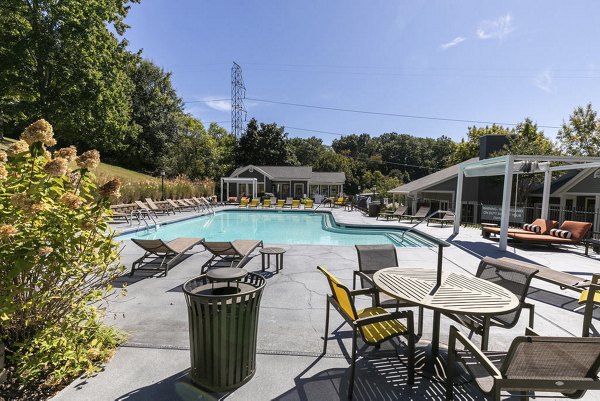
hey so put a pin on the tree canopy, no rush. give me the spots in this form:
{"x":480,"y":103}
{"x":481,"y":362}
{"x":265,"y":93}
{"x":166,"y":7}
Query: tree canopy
{"x":580,"y":136}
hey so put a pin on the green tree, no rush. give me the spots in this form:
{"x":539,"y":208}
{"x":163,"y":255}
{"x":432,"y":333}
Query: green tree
{"x":306,"y":151}
{"x":65,"y":60}
{"x":581,"y":135}
{"x":194,"y":152}
{"x":158,"y":111}
{"x":263,"y":144}
{"x":465,"y":150}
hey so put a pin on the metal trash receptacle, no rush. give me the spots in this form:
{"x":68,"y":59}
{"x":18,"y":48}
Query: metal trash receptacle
{"x":223,"y":323}
{"x":374,"y":209}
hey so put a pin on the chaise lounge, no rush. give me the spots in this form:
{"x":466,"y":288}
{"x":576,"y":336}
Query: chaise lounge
{"x":569,"y":233}
{"x":171,"y":252}
{"x":397,"y":214}
{"x":237,"y":251}
{"x":420,"y":215}
{"x":539,"y":226}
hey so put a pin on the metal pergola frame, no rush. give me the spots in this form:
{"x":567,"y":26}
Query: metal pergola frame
{"x":505,"y":165}
{"x":237,"y":180}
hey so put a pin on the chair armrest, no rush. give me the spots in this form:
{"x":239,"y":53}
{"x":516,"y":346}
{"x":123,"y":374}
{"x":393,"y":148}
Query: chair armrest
{"x":384,"y":317}
{"x":531,"y":308}
{"x":476,"y":352}
{"x":363,"y":291}
{"x":362,"y":275}
{"x":529,"y":332}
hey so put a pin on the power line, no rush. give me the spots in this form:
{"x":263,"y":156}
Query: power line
{"x":390,"y":114}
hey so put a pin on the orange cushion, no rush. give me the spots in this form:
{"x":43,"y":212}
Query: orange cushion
{"x":578,"y":228}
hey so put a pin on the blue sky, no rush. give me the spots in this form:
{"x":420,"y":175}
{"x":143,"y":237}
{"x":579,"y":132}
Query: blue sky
{"x":467,"y":60}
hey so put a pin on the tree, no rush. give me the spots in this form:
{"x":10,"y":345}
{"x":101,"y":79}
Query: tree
{"x":306,"y":151}
{"x":470,"y":148}
{"x":63,"y":60}
{"x":581,"y":135}
{"x":263,"y":144}
{"x":194,"y":152}
{"x":158,"y":111}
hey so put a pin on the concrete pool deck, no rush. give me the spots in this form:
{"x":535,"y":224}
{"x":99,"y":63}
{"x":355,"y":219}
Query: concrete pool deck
{"x":153,"y":363}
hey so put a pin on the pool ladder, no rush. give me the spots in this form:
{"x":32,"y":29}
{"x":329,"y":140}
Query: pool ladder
{"x":139,"y":215}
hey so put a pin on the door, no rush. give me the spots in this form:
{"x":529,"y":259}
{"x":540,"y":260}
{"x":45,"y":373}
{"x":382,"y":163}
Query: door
{"x":298,"y":190}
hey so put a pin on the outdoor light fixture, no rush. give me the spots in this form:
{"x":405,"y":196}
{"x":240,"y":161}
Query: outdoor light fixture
{"x":162,"y":190}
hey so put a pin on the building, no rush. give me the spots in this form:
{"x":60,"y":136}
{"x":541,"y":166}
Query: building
{"x":282,"y":182}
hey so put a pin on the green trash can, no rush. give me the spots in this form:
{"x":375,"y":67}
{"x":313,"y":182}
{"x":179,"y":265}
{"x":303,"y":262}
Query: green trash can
{"x":223,"y":322}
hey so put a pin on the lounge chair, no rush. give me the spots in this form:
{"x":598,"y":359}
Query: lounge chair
{"x":238,"y":251}
{"x":295,"y":204}
{"x":254,"y":203}
{"x":375,"y":325}
{"x":243,"y":202}
{"x":159,"y":209}
{"x":420,"y":215}
{"x":280,"y":203}
{"x":118,"y":213}
{"x":577,"y":229}
{"x":516,"y":280}
{"x":288,"y":202}
{"x":444,"y":218}
{"x":308,"y":204}
{"x":180,"y":205}
{"x":397,"y":214}
{"x":143,"y":209}
{"x":372,"y":258}
{"x":232,"y":200}
{"x":266,"y":203}
{"x":170,"y":252}
{"x":544,"y":228}
{"x":339,"y":201}
{"x":566,"y":365}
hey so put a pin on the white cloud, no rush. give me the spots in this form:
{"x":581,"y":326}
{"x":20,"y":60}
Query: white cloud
{"x":219,"y":105}
{"x":453,"y":42}
{"x":544,"y":81}
{"x":495,"y":29}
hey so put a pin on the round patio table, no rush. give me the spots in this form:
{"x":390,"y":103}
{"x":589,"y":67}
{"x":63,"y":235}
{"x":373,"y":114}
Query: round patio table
{"x":227,"y":275}
{"x":456,"y":293}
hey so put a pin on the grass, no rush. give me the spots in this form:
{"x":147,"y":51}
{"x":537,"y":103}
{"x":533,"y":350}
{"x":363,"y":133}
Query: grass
{"x":137,"y":186}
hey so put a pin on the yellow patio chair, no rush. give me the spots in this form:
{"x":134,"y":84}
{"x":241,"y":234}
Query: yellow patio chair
{"x":243,"y":202}
{"x":308,"y":204}
{"x":280,"y":203}
{"x":266,"y":203}
{"x":253,"y":203}
{"x":295,"y":204}
{"x":590,"y":297}
{"x":375,"y":325}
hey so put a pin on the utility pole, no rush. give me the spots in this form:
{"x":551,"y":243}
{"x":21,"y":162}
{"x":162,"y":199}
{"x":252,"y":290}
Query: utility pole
{"x":238,"y":94}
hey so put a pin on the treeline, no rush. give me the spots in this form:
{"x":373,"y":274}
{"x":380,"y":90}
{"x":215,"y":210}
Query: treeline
{"x":68,"y":62}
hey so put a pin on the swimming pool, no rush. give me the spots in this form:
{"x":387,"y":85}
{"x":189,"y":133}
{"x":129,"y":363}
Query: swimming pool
{"x":280,"y":227}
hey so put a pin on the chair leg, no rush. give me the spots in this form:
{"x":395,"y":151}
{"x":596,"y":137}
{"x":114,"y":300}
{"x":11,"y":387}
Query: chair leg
{"x":411,"y":350}
{"x":450,"y":370}
{"x":352,"y":367}
{"x":326,"y":328}
{"x":420,"y":324}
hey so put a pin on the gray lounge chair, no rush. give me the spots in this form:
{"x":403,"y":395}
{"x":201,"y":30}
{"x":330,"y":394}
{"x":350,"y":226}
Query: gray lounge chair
{"x":515,"y":280}
{"x":158,"y":209}
{"x":566,"y":365}
{"x":237,"y":252}
{"x":372,"y":258}
{"x":444,"y":217}
{"x":420,"y":215}
{"x":395,"y":215}
{"x":169,"y":253}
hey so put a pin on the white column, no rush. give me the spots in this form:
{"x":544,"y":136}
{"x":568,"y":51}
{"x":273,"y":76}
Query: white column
{"x":458,"y":204}
{"x":546,"y":194}
{"x":254,"y":189}
{"x":563,"y":203}
{"x":221,"y":189}
{"x":506,"y":195}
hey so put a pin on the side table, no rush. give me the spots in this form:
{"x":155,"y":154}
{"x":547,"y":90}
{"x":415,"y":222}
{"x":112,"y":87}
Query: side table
{"x":278,"y":252}
{"x":226,"y":275}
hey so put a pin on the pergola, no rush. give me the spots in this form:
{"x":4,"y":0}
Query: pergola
{"x":510,"y":165}
{"x":237,"y":180}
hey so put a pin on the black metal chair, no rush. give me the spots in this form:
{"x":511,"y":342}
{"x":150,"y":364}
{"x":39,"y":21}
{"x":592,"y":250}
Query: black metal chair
{"x":567,"y":365}
{"x":375,"y":325}
{"x":514,"y":279}
{"x":372,"y":258}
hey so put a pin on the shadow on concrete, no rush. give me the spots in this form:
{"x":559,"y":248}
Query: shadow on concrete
{"x":176,"y":388}
{"x":377,"y":379}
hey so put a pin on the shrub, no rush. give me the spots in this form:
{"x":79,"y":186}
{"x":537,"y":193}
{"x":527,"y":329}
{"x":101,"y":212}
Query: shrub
{"x":58,"y":258}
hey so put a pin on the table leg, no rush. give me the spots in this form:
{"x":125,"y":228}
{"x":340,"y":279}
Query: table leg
{"x":435,"y":335}
{"x":276,"y":263}
{"x":263,"y":262}
{"x":281,"y":261}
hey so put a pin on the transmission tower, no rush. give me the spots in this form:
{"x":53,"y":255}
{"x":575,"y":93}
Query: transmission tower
{"x":238,"y":93}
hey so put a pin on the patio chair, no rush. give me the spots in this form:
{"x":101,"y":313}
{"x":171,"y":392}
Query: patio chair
{"x":169,"y":252}
{"x":266,"y":203}
{"x":243,"y":202}
{"x":590,"y":297}
{"x":396,"y":214}
{"x":544,"y":228}
{"x":420,"y":215}
{"x":238,"y":251}
{"x":143,"y":209}
{"x":254,"y":203}
{"x":288,"y":202}
{"x":517,"y":281}
{"x":159,"y":209}
{"x":280,"y":203}
{"x":444,"y":218}
{"x":308,"y":204}
{"x":176,"y":206}
{"x":372,"y":258}
{"x":119,"y":213}
{"x":339,"y":202}
{"x":295,"y":204}
{"x":375,"y":325}
{"x":578,"y":231}
{"x":566,"y":365}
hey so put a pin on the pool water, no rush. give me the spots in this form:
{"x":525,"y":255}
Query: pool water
{"x":279,"y":227}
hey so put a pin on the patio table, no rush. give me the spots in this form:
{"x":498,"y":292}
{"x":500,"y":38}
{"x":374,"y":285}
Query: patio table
{"x":456,"y":293}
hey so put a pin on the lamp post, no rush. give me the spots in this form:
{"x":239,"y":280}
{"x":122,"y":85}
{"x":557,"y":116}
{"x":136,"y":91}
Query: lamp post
{"x":162,"y":179}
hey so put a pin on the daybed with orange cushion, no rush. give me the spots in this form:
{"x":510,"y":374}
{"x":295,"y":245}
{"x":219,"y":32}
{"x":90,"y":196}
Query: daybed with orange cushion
{"x":545,"y":227}
{"x":577,"y":229}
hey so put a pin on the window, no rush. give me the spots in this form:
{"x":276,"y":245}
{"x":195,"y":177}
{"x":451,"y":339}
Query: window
{"x":260,"y":188}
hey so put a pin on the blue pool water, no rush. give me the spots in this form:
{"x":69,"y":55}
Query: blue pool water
{"x":279,"y":227}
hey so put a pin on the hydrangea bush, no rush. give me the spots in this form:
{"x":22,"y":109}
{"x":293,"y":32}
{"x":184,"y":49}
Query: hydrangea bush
{"x":57,"y":259}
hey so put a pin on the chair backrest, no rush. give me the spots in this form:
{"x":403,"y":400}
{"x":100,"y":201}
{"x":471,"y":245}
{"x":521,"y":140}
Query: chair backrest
{"x":220,"y":248}
{"x":273,"y":199}
{"x":545,"y":225}
{"x":578,"y":229}
{"x":514,"y":279}
{"x":288,"y":201}
{"x":267,"y":203}
{"x":341,"y":294}
{"x":308,"y":203}
{"x":151,"y":203}
{"x":400,"y":211}
{"x":280,"y":203}
{"x":152,"y":245}
{"x":243,"y":202}
{"x":423,"y":210}
{"x":141,"y":205}
{"x":553,"y":358}
{"x":254,"y":202}
{"x":375,"y":257}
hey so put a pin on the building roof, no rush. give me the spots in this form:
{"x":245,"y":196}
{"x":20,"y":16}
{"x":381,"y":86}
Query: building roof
{"x":429,"y":180}
{"x":557,"y":183}
{"x":291,"y":173}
